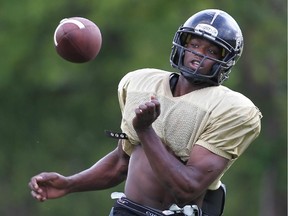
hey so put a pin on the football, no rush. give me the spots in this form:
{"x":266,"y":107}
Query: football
{"x":77,"y":39}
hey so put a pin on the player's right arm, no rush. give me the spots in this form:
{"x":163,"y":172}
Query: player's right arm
{"x":107,"y":172}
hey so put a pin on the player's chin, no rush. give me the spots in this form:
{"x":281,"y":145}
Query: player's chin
{"x":196,"y":69}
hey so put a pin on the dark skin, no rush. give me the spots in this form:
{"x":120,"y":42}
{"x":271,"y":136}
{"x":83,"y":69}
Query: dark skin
{"x":181,"y":183}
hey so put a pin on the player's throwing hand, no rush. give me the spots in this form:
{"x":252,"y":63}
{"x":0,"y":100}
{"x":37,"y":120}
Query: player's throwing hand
{"x":48,"y":186}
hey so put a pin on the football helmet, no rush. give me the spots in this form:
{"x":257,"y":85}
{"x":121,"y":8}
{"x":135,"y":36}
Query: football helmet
{"x":219,"y":28}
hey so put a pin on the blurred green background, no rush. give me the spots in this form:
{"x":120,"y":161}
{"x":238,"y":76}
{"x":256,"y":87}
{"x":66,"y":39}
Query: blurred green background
{"x":53,"y":113}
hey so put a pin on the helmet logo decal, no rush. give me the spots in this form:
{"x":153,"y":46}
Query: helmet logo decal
{"x":206,"y":29}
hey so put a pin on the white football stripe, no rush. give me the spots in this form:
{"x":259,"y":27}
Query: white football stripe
{"x":67,"y":20}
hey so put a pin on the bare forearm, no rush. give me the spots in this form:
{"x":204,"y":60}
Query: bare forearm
{"x":160,"y":158}
{"x":185,"y":181}
{"x":181,"y":180}
{"x":106,"y":173}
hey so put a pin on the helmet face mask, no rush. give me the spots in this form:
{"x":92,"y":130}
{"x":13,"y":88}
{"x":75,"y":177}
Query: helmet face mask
{"x":218,"y":28}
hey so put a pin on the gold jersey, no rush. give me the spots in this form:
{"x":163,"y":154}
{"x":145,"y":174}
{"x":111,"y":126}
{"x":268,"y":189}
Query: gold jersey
{"x":221,"y":120}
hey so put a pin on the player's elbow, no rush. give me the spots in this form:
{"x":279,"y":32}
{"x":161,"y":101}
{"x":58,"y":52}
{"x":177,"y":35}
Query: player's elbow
{"x":187,"y":194}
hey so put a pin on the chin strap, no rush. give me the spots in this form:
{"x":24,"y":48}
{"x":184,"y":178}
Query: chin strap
{"x":200,"y":81}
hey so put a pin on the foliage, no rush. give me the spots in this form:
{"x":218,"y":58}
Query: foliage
{"x":53,"y":113}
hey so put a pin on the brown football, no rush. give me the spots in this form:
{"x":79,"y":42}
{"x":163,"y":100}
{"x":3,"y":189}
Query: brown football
{"x":77,"y":39}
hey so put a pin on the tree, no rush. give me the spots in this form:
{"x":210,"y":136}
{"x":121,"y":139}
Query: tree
{"x":53,"y":113}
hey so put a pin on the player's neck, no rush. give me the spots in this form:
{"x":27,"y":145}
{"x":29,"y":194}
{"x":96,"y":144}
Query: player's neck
{"x":183,"y":86}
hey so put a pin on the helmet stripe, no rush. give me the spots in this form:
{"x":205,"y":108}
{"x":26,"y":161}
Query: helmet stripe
{"x":215,"y":16}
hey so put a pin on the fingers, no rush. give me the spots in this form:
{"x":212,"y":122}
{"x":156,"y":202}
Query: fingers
{"x":43,"y":178}
{"x":38,"y":196}
{"x":34,"y":183}
{"x":36,"y":191}
{"x":146,"y":114}
{"x":37,"y":185}
{"x":138,"y":111}
{"x":148,"y":107}
{"x":151,"y":106}
{"x":157,"y":105}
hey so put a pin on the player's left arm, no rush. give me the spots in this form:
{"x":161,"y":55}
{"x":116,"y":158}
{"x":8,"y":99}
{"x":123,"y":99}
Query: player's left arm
{"x":187,"y":181}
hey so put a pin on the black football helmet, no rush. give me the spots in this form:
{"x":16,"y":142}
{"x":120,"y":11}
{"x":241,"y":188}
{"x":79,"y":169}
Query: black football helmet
{"x":219,"y":28}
